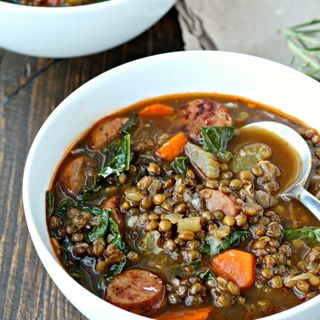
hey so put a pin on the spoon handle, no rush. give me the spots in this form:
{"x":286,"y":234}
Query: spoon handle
{"x":310,"y":201}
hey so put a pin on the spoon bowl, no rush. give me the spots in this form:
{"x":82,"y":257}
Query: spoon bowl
{"x":297,"y":188}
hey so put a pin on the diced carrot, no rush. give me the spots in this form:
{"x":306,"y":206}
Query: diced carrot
{"x":155,"y":110}
{"x":194,"y":314}
{"x":236,"y":265}
{"x":173,"y":147}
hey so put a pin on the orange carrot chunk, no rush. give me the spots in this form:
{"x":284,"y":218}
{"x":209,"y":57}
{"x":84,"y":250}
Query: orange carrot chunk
{"x":155,"y":110}
{"x":236,"y":265}
{"x":194,"y":314}
{"x":173,"y":147}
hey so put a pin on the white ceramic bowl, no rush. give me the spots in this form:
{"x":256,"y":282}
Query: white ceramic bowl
{"x":76,"y":31}
{"x":181,"y":72}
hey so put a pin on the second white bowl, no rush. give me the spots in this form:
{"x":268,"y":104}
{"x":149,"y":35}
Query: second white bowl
{"x":76,"y":31}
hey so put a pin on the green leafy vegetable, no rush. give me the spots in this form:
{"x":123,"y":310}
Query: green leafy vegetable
{"x":195,"y":263}
{"x":62,"y":209}
{"x":180,"y":165}
{"x":206,"y":274}
{"x":120,"y":162}
{"x":88,"y":194}
{"x":76,"y":274}
{"x":127,"y":128}
{"x":215,"y":139}
{"x":310,"y":233}
{"x":95,"y":211}
{"x":213,"y":246}
{"x":178,"y":268}
{"x":115,"y":269}
{"x":51,"y":210}
{"x":50,"y":203}
{"x":101,"y":230}
{"x":53,"y":234}
{"x":303,"y":40}
{"x":67,"y":244}
{"x":117,"y":240}
{"x":108,"y":227}
{"x":112,"y":149}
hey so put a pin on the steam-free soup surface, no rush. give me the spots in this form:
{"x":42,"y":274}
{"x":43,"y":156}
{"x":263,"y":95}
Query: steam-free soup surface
{"x":155,"y":205}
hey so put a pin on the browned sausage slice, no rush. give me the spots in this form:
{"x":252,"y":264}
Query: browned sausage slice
{"x":72,"y":176}
{"x":138,"y":291}
{"x":105,"y":132}
{"x":217,"y":200}
{"x":204,"y":113}
{"x":113,"y":203}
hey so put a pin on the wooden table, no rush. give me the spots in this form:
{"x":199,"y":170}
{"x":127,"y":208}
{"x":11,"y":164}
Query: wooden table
{"x":30,"y":88}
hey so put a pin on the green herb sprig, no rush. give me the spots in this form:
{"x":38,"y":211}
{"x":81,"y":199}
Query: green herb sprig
{"x":303,"y":40}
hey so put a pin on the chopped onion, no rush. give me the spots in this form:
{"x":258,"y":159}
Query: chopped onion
{"x":302,"y":276}
{"x":196,"y":203}
{"x":174,"y":217}
{"x":132,"y":221}
{"x":189,"y":224}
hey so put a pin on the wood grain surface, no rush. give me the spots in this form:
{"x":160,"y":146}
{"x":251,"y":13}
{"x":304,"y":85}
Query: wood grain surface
{"x":30,"y":88}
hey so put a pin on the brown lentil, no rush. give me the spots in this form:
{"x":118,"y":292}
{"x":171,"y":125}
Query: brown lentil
{"x":158,"y":199}
{"x":186,"y":235}
{"x":164,"y":225}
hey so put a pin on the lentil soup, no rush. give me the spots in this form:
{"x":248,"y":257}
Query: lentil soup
{"x":170,"y":206}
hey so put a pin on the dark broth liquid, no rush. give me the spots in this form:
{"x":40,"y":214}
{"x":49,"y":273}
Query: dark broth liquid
{"x":293,"y":214}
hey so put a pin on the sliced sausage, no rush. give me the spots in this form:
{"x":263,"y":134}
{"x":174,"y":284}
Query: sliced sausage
{"x":72,"y":176}
{"x":204,"y":113}
{"x":138,"y":291}
{"x":113,"y":203}
{"x":217,"y":200}
{"x":105,"y":132}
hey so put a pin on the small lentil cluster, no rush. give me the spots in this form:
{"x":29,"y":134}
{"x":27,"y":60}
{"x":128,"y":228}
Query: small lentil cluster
{"x":194,"y":290}
{"x":313,"y":140}
{"x":77,"y":224}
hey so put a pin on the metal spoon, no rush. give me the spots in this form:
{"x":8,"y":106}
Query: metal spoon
{"x":296,"y":189}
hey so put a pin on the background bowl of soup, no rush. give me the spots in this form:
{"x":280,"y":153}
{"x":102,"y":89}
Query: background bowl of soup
{"x":70,"y":31}
{"x":257,"y":79}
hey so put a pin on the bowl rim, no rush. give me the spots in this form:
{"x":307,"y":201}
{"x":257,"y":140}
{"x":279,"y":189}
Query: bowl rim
{"x":35,"y":236}
{"x":62,"y":9}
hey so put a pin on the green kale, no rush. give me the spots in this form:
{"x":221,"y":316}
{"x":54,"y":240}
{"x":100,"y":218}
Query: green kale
{"x":215,"y":139}
{"x":50,"y":203}
{"x":117,"y":240}
{"x":127,"y":128}
{"x":116,"y":269}
{"x":121,"y":160}
{"x":206,"y":274}
{"x":101,"y":230}
{"x":180,"y":165}
{"x":213,"y":246}
{"x":309,"y":233}
{"x":53,"y":234}
{"x":89,"y":194}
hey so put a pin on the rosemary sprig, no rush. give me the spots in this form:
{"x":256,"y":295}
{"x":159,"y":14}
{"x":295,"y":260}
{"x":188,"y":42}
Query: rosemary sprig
{"x":304,"y":42}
